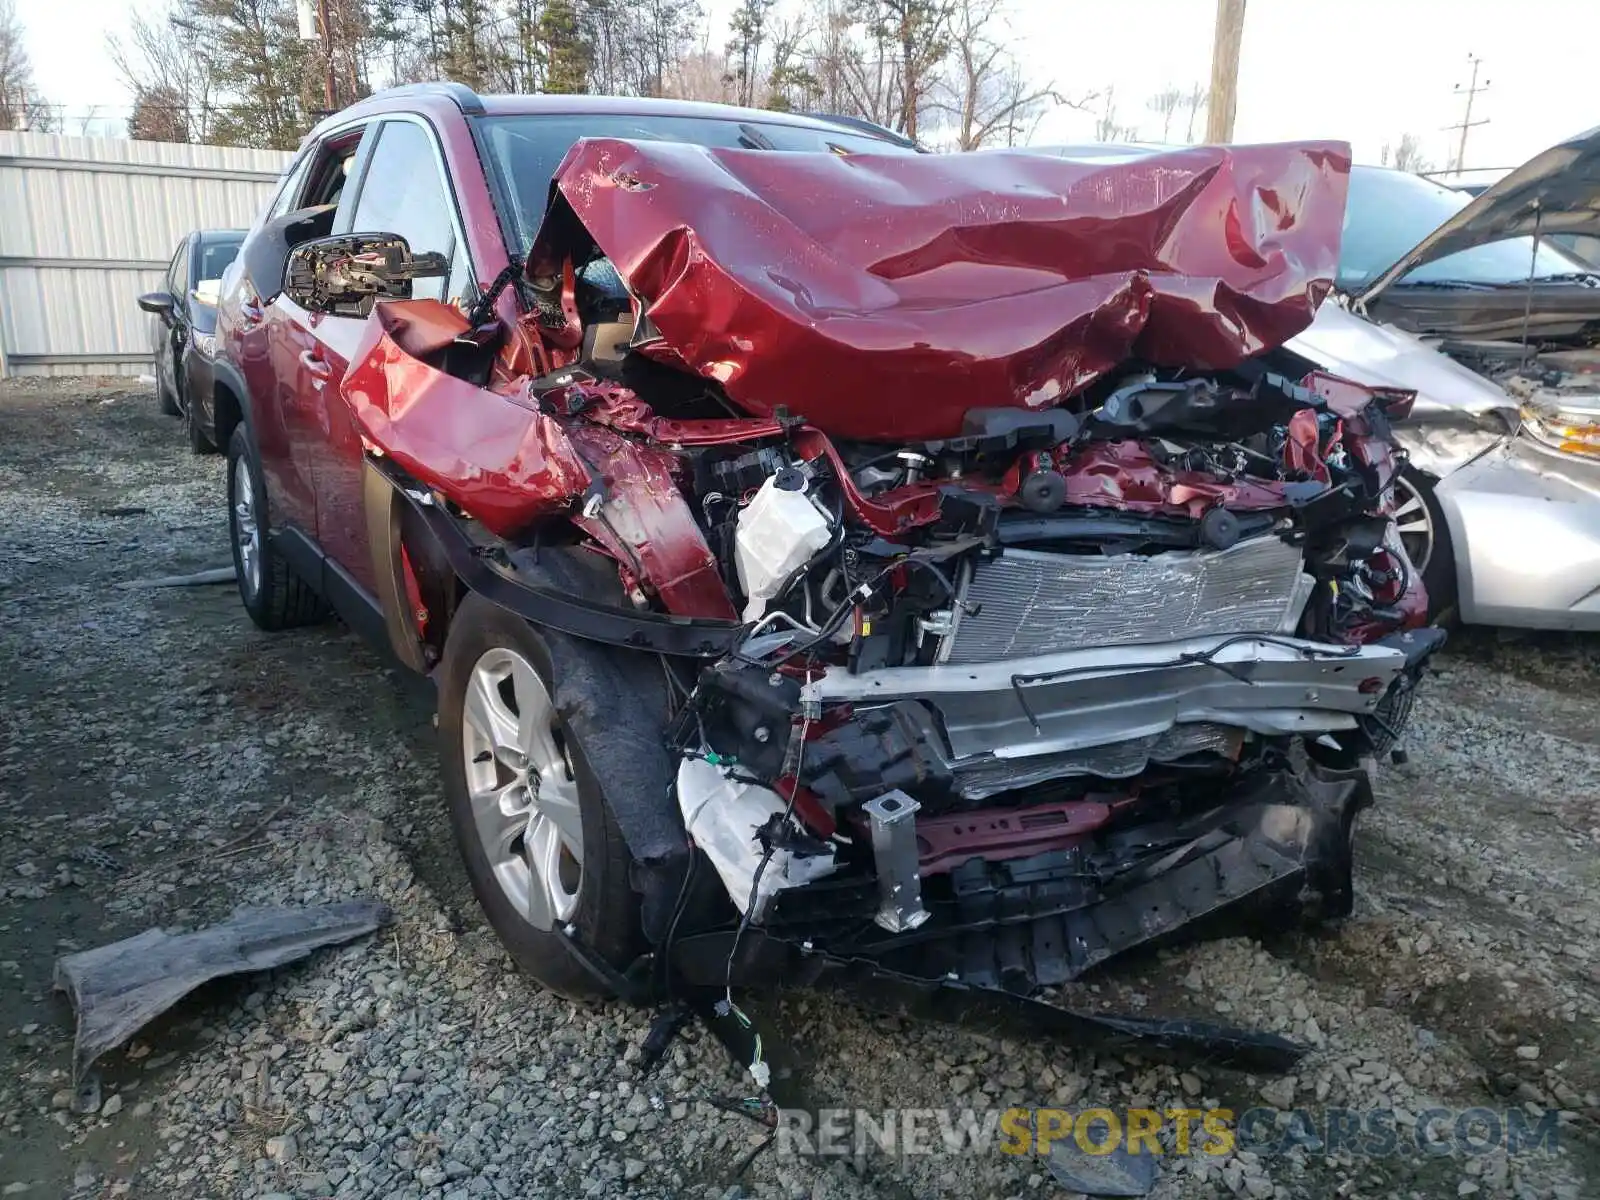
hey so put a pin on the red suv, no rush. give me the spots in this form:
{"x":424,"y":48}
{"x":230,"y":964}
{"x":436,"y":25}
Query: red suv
{"x":833,"y":560}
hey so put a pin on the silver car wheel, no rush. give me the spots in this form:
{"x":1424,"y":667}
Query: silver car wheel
{"x":1414,"y":523}
{"x":523,"y":791}
{"x":246,"y":529}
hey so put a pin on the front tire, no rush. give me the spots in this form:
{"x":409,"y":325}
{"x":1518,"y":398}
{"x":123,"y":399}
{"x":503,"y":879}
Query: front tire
{"x":167,"y":401}
{"x":536,"y":834}
{"x":1426,"y":537}
{"x":199,"y":441}
{"x":274,"y":596}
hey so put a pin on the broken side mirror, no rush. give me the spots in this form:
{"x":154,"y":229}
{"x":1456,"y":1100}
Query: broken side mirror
{"x":159,"y":303}
{"x":347,"y":274}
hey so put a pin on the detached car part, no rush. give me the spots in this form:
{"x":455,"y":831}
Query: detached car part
{"x":120,"y":988}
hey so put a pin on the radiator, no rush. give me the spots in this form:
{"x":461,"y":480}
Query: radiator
{"x":1032,"y":603}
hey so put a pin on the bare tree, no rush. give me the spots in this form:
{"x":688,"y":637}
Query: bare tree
{"x":859,"y":60}
{"x":1165,"y":105}
{"x":792,"y":86}
{"x":1406,"y":156}
{"x":1197,"y":97}
{"x":159,"y":115}
{"x":666,"y":29}
{"x":21,"y":105}
{"x":170,"y":78}
{"x":1106,"y":126}
{"x":983,"y":92}
{"x":919,"y":31}
{"x":264,"y":77}
{"x":699,"y":75}
{"x":748,"y":31}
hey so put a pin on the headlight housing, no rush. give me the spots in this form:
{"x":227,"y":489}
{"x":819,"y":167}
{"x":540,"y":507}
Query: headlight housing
{"x":1570,"y":430}
{"x":205,"y":343}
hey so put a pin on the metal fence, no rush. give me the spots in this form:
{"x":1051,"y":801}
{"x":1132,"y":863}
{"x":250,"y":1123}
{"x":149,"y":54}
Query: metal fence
{"x":87,"y":224}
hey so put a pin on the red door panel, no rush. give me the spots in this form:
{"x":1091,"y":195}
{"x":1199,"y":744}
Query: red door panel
{"x":336,"y":461}
{"x":261,"y":350}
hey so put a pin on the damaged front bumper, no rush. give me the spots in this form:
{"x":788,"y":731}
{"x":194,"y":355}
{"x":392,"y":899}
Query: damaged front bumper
{"x":1075,"y":807}
{"x":1107,"y":711}
{"x":995,"y":934}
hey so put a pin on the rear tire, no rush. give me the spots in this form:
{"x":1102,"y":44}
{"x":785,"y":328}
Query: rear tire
{"x":1421,"y":524}
{"x":497,"y":665}
{"x":274,"y":596}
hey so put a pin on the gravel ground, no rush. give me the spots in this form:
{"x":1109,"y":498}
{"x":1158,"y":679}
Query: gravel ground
{"x":215,"y":766}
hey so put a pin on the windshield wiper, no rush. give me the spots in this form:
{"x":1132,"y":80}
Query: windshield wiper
{"x":1592,"y":278}
{"x":1459,"y":285}
{"x":752,"y":138}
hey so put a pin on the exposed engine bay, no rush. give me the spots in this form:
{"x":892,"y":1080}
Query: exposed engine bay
{"x":1557,"y":385}
{"x":1043,"y":679}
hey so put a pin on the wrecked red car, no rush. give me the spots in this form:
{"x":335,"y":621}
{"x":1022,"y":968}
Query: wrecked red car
{"x":838,"y":565}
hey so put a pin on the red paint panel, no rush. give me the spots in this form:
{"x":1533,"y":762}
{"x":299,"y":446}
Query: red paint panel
{"x":648,"y":526}
{"x":882,"y":297}
{"x":945,"y":842}
{"x":494,"y":454}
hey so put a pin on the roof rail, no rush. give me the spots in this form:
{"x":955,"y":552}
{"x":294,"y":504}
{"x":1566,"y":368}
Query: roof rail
{"x":460,"y":94}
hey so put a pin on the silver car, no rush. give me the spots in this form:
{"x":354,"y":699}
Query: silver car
{"x":1498,"y":331}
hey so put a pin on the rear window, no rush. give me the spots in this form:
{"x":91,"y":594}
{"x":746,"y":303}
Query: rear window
{"x":524,"y":151}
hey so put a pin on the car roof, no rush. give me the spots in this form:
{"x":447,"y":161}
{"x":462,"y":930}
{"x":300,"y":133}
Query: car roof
{"x":443,"y":99}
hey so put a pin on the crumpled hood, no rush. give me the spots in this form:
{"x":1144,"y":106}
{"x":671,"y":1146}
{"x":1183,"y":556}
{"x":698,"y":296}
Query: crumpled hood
{"x":1557,"y":191}
{"x":881,"y":297}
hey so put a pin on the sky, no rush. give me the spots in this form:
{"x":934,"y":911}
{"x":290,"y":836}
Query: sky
{"x":1365,"y":71}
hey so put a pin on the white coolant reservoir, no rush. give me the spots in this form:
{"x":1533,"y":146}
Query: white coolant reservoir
{"x":778,"y":531}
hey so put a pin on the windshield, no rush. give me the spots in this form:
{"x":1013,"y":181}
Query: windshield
{"x":526,"y":150}
{"x":217,"y":250}
{"x":1389,"y":212}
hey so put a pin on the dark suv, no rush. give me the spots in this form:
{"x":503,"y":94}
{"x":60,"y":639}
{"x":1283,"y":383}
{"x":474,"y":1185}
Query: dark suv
{"x":833,"y":560}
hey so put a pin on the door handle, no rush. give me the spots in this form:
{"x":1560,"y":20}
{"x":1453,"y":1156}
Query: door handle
{"x":316,"y":366}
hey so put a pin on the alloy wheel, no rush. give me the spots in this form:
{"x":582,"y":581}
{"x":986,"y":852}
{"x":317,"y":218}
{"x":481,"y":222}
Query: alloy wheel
{"x":1414,"y":523}
{"x":246,"y":528}
{"x":523,"y":791}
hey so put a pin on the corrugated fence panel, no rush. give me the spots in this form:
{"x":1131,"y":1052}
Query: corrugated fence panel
{"x":87,"y":224}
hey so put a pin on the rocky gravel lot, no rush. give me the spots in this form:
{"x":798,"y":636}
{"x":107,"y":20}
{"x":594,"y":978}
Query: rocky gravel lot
{"x":212,"y":765}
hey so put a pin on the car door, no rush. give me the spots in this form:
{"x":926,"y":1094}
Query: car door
{"x":170,"y":331}
{"x":295,"y":369}
{"x":403,"y":190}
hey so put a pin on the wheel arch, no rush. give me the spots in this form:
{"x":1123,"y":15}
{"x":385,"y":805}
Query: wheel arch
{"x":230,"y":404}
{"x":624,"y":742}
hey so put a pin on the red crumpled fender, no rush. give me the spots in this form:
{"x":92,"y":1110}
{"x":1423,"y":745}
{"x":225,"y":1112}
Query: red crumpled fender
{"x":497,"y":455}
{"x":492,"y":452}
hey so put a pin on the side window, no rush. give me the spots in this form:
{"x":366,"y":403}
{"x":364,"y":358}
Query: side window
{"x":178,"y":272}
{"x":291,"y":187}
{"x":402,"y":192}
{"x":330,"y":170}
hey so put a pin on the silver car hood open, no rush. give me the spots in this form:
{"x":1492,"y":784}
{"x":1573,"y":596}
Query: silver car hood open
{"x":1382,"y":356}
{"x":1557,"y":191}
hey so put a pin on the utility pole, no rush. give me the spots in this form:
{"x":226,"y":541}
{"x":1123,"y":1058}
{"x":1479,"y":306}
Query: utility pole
{"x":1225,"y":70}
{"x":329,"y":95}
{"x":316,"y":25}
{"x":1471,"y":90}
